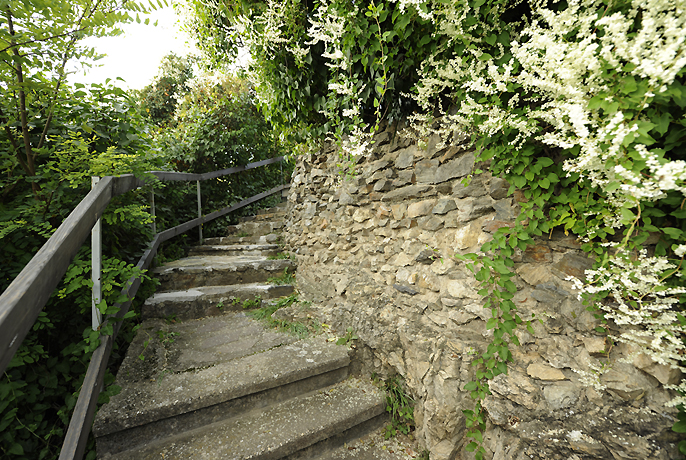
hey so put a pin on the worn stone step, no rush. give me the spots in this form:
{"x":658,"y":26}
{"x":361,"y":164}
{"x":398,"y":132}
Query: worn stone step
{"x":265,"y":216}
{"x":280,"y":431}
{"x":272,"y":238}
{"x":192,"y":272}
{"x":208,"y":300}
{"x":215,"y":369}
{"x":371,"y":446}
{"x":255,"y":228}
{"x":281,"y":206}
{"x":235,"y":249}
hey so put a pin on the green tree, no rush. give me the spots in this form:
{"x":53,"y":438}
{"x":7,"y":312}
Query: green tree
{"x":159,"y":98}
{"x":219,"y":126}
{"x":37,"y":40}
{"x":52,"y":139}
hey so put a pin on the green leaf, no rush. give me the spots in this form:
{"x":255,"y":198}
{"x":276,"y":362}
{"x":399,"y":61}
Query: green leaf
{"x":674,"y":233}
{"x":595,"y":102}
{"x":679,"y":427}
{"x":510,"y":286}
{"x":519,"y":181}
{"x":470,"y":386}
{"x":544,"y":162}
{"x":627,"y":215}
{"x":663,"y":122}
{"x":476,"y":434}
{"x":628,"y":84}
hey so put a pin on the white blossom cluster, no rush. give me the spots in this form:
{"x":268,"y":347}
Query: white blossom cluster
{"x":656,"y":49}
{"x":357,"y":142}
{"x":420,"y":6}
{"x":328,"y":26}
{"x":568,"y":74}
{"x":640,"y":304}
{"x":591,"y":377}
{"x":265,"y":30}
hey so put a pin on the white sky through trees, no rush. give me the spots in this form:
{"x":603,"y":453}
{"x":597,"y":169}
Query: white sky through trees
{"x":136,"y":55}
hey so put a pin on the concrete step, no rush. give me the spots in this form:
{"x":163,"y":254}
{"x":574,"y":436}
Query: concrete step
{"x":255,"y":228}
{"x":371,"y":446}
{"x":279,"y":207}
{"x":235,"y":249}
{"x":272,"y":238}
{"x":285,"y":430}
{"x":192,"y":272}
{"x":265,"y":216}
{"x":209,"y":300}
{"x":214,"y":369}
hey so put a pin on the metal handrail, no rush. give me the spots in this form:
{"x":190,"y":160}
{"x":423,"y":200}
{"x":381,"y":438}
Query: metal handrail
{"x":25,"y":297}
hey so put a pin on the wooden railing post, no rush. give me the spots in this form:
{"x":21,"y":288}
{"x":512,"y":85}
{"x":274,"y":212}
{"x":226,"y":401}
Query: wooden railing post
{"x":152,"y":210}
{"x":199,"y":211}
{"x":96,"y":267}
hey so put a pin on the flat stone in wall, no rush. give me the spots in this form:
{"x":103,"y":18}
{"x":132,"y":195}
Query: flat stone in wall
{"x":376,"y":253}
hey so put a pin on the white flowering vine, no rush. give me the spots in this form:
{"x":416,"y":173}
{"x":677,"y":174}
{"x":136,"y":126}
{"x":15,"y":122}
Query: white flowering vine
{"x":631,"y":292}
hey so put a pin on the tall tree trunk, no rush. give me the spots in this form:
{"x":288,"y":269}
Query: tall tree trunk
{"x":28,"y":161}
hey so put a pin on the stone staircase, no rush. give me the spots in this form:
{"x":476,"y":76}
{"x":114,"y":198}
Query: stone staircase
{"x":203,"y":380}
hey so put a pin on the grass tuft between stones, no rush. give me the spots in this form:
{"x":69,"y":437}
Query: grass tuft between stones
{"x":297,"y":328}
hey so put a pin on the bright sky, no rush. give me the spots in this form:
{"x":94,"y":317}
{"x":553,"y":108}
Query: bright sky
{"x":136,"y":55}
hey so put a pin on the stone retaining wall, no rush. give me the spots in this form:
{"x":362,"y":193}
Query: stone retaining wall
{"x":375,"y":252}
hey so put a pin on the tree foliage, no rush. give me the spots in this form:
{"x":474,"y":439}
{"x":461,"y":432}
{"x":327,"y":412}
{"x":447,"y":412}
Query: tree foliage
{"x":37,"y":40}
{"x":217,"y":126}
{"x":316,"y":66}
{"x":159,"y":98}
{"x":53,"y":137}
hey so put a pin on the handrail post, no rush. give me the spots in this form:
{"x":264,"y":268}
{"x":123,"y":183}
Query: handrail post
{"x":199,"y":211}
{"x":152,"y":210}
{"x":96,"y":266}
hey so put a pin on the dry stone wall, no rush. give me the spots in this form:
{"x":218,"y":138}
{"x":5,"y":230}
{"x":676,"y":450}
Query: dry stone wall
{"x":376,"y":252}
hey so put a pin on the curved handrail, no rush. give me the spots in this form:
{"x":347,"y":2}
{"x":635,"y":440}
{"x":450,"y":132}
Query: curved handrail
{"x":24,"y":298}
